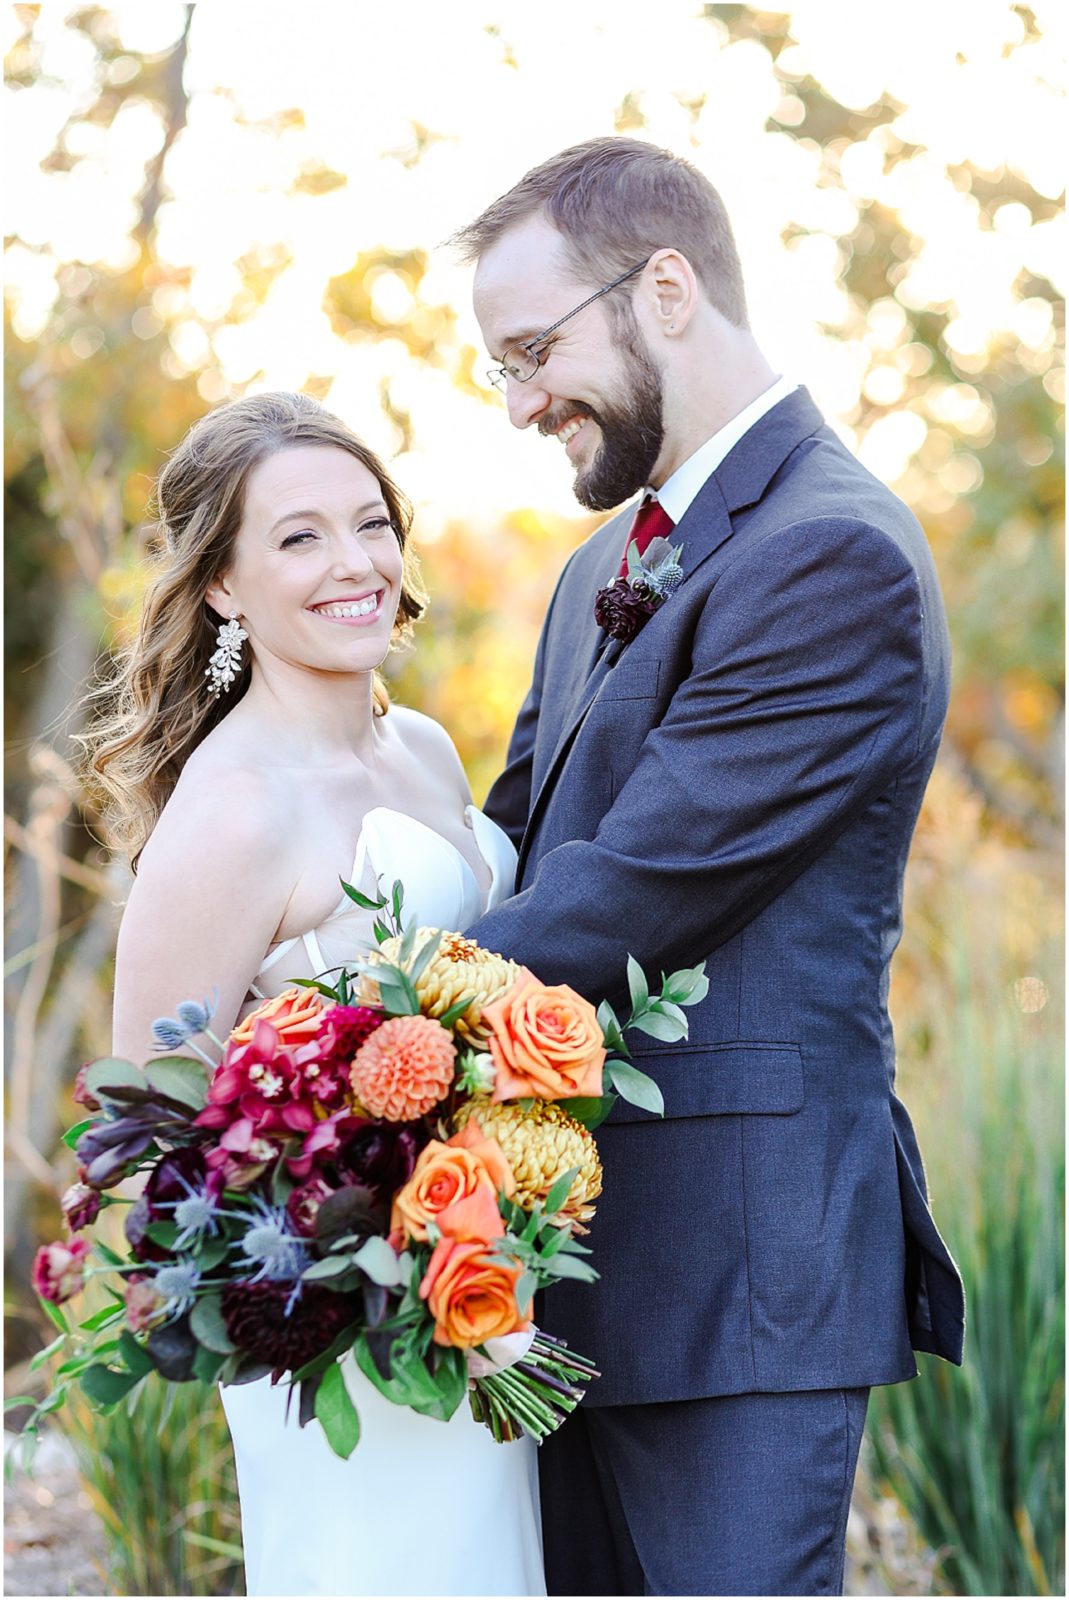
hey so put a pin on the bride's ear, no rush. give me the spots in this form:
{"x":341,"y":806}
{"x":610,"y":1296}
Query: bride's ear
{"x":221,"y":598}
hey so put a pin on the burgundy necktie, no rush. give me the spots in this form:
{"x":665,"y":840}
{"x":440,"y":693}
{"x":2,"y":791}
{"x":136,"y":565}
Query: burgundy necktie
{"x":651,"y":522}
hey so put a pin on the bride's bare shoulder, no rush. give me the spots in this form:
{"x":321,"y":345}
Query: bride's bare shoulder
{"x":222,"y":812}
{"x":431,"y":746}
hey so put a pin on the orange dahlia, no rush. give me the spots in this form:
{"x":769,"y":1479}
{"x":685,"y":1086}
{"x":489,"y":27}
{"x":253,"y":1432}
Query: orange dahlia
{"x":404,"y":1068}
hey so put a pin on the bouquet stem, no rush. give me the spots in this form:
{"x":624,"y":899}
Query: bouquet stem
{"x":534,"y":1396}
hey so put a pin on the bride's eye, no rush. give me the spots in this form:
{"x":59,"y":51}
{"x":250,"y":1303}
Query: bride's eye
{"x":295,"y":540}
{"x":375,"y":525}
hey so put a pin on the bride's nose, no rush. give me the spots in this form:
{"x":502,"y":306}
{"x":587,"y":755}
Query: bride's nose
{"x":350,"y":559}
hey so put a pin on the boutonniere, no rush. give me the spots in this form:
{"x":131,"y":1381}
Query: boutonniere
{"x":625,"y":604}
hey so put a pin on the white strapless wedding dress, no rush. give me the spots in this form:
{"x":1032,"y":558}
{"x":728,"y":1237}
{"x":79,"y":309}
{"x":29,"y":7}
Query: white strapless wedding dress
{"x":420,"y":1507}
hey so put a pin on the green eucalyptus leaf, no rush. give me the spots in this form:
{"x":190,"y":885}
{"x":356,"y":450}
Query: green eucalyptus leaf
{"x":181,"y":1079}
{"x":635,"y":1087}
{"x":380,"y":1261}
{"x":329,"y":1267}
{"x":209,"y":1327}
{"x":422,"y":961}
{"x":526,"y":1286}
{"x":456,"y":1010}
{"x":113,"y":1072}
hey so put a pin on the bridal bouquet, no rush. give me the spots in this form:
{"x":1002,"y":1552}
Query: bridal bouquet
{"x":391,"y":1166}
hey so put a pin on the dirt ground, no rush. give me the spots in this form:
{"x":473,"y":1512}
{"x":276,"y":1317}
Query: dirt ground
{"x":53,"y":1543}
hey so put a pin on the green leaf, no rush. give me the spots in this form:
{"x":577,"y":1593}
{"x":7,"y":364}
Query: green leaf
{"x":207,"y":1365}
{"x":635,"y":1087}
{"x":336,"y":1412}
{"x":456,"y":1010}
{"x":658,"y":1027}
{"x":209,"y":1254}
{"x":137,"y":1361}
{"x":163,"y":1233}
{"x":103,"y":1319}
{"x":72,"y":1135}
{"x":323,"y":1360}
{"x":49,"y":1350}
{"x":206,"y":1320}
{"x":422,"y":961}
{"x":381,"y":931}
{"x":636,"y":982}
{"x":54,"y":1314}
{"x":380,"y":1261}
{"x":398,"y":900}
{"x":584,"y":1107}
{"x":361,"y":899}
{"x":180,"y":1079}
{"x":688,"y":987}
{"x":558,"y":1194}
{"x":609,"y":1024}
{"x":569,"y":1266}
{"x":525,"y":1288}
{"x":398,"y":995}
{"x":329,"y":1267}
{"x":111,"y":1071}
{"x":19,"y":1400}
{"x":107,"y":1254}
{"x":107,"y":1386}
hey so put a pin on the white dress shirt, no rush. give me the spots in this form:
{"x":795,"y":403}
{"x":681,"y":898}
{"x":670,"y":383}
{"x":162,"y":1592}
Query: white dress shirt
{"x":677,"y":492}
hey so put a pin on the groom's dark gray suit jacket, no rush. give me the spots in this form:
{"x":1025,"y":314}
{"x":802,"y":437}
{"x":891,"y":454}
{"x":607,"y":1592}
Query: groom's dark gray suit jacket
{"x":739,"y":784}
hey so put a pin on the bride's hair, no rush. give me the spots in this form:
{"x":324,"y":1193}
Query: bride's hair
{"x":155,"y":707}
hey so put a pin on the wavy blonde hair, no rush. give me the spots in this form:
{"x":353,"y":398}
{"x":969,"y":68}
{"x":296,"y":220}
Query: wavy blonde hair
{"x":154,"y":708}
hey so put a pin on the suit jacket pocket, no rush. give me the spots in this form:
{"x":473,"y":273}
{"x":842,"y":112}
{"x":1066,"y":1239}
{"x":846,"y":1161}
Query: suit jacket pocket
{"x":714,"y":1080}
{"x":631,"y":680}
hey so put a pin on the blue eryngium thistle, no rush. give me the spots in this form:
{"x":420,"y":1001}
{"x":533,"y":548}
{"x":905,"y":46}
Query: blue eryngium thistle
{"x":196,"y":1214}
{"x":192,"y":1018}
{"x":177,"y":1284}
{"x":271,"y":1246}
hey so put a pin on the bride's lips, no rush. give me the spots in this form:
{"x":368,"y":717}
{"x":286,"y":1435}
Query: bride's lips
{"x":344,"y":611}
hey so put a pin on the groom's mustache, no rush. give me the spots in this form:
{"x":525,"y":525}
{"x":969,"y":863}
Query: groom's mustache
{"x":556,"y":419}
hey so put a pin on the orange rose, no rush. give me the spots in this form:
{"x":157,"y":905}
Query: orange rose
{"x":470,"y":1294}
{"x":545,"y":1042}
{"x":294,"y":1014}
{"x":445,"y":1173}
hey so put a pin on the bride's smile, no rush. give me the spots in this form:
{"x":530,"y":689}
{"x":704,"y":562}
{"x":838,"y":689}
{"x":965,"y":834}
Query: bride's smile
{"x":316,"y":570}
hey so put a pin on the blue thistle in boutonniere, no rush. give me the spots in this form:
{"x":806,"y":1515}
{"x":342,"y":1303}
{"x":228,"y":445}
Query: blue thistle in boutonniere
{"x":625,"y":604}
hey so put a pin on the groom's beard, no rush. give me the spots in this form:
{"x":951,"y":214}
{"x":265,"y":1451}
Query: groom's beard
{"x":632,"y":434}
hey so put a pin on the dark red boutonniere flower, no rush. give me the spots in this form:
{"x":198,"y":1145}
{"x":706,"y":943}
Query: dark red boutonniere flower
{"x":625,"y":604}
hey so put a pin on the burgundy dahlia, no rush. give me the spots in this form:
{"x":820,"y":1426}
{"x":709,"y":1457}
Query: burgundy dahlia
{"x":621,"y":610}
{"x":382,"y":1155}
{"x":256,"y":1320}
{"x":343,"y":1030}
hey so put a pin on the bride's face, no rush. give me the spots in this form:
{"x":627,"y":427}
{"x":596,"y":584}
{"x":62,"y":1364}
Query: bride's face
{"x":316,"y":574}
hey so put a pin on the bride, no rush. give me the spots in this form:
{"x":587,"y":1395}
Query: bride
{"x":253,"y":760}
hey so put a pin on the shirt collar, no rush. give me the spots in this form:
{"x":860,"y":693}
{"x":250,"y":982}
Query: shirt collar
{"x":681,"y":488}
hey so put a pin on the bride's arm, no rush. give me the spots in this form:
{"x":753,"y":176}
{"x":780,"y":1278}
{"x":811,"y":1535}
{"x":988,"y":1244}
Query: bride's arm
{"x":211,"y":888}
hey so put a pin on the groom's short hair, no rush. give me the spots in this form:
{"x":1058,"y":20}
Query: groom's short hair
{"x":615,"y":201}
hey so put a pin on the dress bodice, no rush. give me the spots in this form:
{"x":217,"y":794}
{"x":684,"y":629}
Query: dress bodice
{"x":441,"y":891}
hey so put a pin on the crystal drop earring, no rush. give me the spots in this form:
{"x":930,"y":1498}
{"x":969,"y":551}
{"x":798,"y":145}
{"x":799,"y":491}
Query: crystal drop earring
{"x":225,"y":663}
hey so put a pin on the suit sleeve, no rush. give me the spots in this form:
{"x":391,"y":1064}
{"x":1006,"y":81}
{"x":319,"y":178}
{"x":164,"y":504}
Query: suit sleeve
{"x":803,"y":703}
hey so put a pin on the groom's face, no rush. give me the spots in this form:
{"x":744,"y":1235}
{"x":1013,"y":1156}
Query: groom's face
{"x":597,"y":390}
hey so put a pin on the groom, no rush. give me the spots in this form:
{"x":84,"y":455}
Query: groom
{"x":735,"y":781}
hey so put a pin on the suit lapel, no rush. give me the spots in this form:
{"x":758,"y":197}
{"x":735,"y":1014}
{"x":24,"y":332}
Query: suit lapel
{"x":739,"y":481}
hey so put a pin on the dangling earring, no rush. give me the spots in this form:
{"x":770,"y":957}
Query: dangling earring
{"x":225,"y":664}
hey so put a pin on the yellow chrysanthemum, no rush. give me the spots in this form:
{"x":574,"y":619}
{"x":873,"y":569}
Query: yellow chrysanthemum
{"x":541,"y":1144}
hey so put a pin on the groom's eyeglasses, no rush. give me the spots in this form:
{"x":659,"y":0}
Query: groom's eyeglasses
{"x":522,"y":361}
